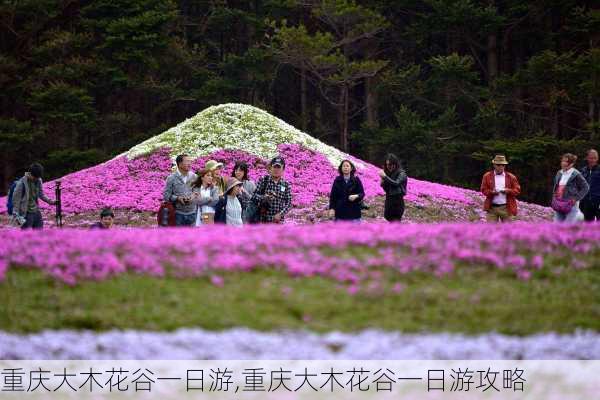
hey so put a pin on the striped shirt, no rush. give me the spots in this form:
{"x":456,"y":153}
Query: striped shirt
{"x":233,"y":212}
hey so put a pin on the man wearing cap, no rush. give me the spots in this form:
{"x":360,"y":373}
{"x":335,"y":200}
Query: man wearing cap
{"x":218,"y":181}
{"x":178,"y":190}
{"x":273,"y":193}
{"x":500,"y":189}
{"x":26,"y":212}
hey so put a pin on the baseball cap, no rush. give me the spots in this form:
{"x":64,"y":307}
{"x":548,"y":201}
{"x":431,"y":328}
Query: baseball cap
{"x":277,"y":161}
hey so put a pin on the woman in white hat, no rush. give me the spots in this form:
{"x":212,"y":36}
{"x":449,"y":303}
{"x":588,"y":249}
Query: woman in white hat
{"x":229,"y":209}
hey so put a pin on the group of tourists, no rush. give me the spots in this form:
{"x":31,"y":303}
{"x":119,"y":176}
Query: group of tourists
{"x":207,"y":197}
{"x":575,"y":194}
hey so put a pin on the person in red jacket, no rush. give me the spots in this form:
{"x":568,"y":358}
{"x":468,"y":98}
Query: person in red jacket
{"x":500,"y":189}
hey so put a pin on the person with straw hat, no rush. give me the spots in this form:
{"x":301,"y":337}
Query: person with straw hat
{"x":229,"y":209}
{"x":500,"y":189}
{"x":216,"y":168}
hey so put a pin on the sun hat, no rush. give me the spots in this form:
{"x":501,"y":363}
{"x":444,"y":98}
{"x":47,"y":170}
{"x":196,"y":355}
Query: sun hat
{"x":212,"y":165}
{"x":499,"y":159}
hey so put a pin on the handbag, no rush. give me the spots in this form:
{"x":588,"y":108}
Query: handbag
{"x":166,"y":214}
{"x":562,"y":206}
{"x":252,"y":213}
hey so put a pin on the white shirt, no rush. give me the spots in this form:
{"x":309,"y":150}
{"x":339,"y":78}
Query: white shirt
{"x":190,"y":175}
{"x":564,"y":178}
{"x":205,"y":194}
{"x":500,"y":184}
{"x":233,"y":212}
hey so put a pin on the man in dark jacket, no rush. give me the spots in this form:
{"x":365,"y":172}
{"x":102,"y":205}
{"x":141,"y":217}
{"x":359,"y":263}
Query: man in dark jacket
{"x":590,"y":204}
{"x":26,"y":212}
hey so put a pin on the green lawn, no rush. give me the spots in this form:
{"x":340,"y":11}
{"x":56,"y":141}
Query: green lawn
{"x":471,"y":300}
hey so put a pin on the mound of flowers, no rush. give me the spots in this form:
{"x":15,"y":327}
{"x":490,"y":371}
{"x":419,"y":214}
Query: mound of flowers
{"x":228,"y":133}
{"x":375,"y":253}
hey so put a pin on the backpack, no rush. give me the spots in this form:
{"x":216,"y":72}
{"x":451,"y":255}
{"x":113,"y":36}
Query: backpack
{"x":166,"y":214}
{"x":9,"y":200}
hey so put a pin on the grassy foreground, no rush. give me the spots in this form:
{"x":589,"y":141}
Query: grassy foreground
{"x":471,"y":300}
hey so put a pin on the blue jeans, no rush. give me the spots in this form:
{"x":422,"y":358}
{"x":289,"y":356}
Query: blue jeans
{"x":185,"y":219}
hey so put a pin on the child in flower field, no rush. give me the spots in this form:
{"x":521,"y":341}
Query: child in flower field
{"x":229,"y":209}
{"x":178,"y":189}
{"x":107,"y":217}
{"x":393,"y":182}
{"x":273,"y":193}
{"x":205,"y":196}
{"x":240,"y":172}
{"x":346,"y":194}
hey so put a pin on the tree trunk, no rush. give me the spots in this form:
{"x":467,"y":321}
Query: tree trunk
{"x":492,"y":57}
{"x":303,"y":102}
{"x":371,"y":103}
{"x":345,"y":128}
{"x":344,"y":119}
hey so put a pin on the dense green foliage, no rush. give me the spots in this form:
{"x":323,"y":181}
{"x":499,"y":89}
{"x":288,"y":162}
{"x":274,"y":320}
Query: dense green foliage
{"x":444,"y":83}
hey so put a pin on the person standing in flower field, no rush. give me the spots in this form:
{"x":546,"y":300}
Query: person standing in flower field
{"x":107,"y":218}
{"x":393,"y":182}
{"x":205,"y":196}
{"x":218,"y":181}
{"x":26,"y":212}
{"x":229,"y":209}
{"x":273,"y":194}
{"x":590,"y":204}
{"x":500,"y":189}
{"x":346,"y":194}
{"x":569,"y":188}
{"x":240,"y":172}
{"x":178,"y":190}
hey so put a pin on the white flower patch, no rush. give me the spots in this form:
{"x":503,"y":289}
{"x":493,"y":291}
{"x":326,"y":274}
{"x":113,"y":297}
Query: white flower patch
{"x":243,"y":343}
{"x":234,"y":126}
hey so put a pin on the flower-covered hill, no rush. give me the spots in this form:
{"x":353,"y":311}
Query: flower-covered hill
{"x":133,"y":182}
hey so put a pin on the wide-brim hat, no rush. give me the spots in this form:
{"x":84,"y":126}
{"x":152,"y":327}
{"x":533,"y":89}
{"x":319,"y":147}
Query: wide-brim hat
{"x":212,"y":165}
{"x":499,"y":159}
{"x":231,"y":183}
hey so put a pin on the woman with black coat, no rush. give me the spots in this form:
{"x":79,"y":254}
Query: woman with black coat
{"x":346,"y":194}
{"x":393,"y":182}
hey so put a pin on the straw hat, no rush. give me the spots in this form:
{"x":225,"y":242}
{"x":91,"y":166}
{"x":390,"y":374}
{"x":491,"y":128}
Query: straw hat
{"x":211,"y":165}
{"x":499,"y":159}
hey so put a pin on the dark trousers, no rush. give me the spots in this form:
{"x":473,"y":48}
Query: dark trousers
{"x":33,"y":220}
{"x":185,"y":220}
{"x":393,"y":208}
{"x":590,"y":209}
